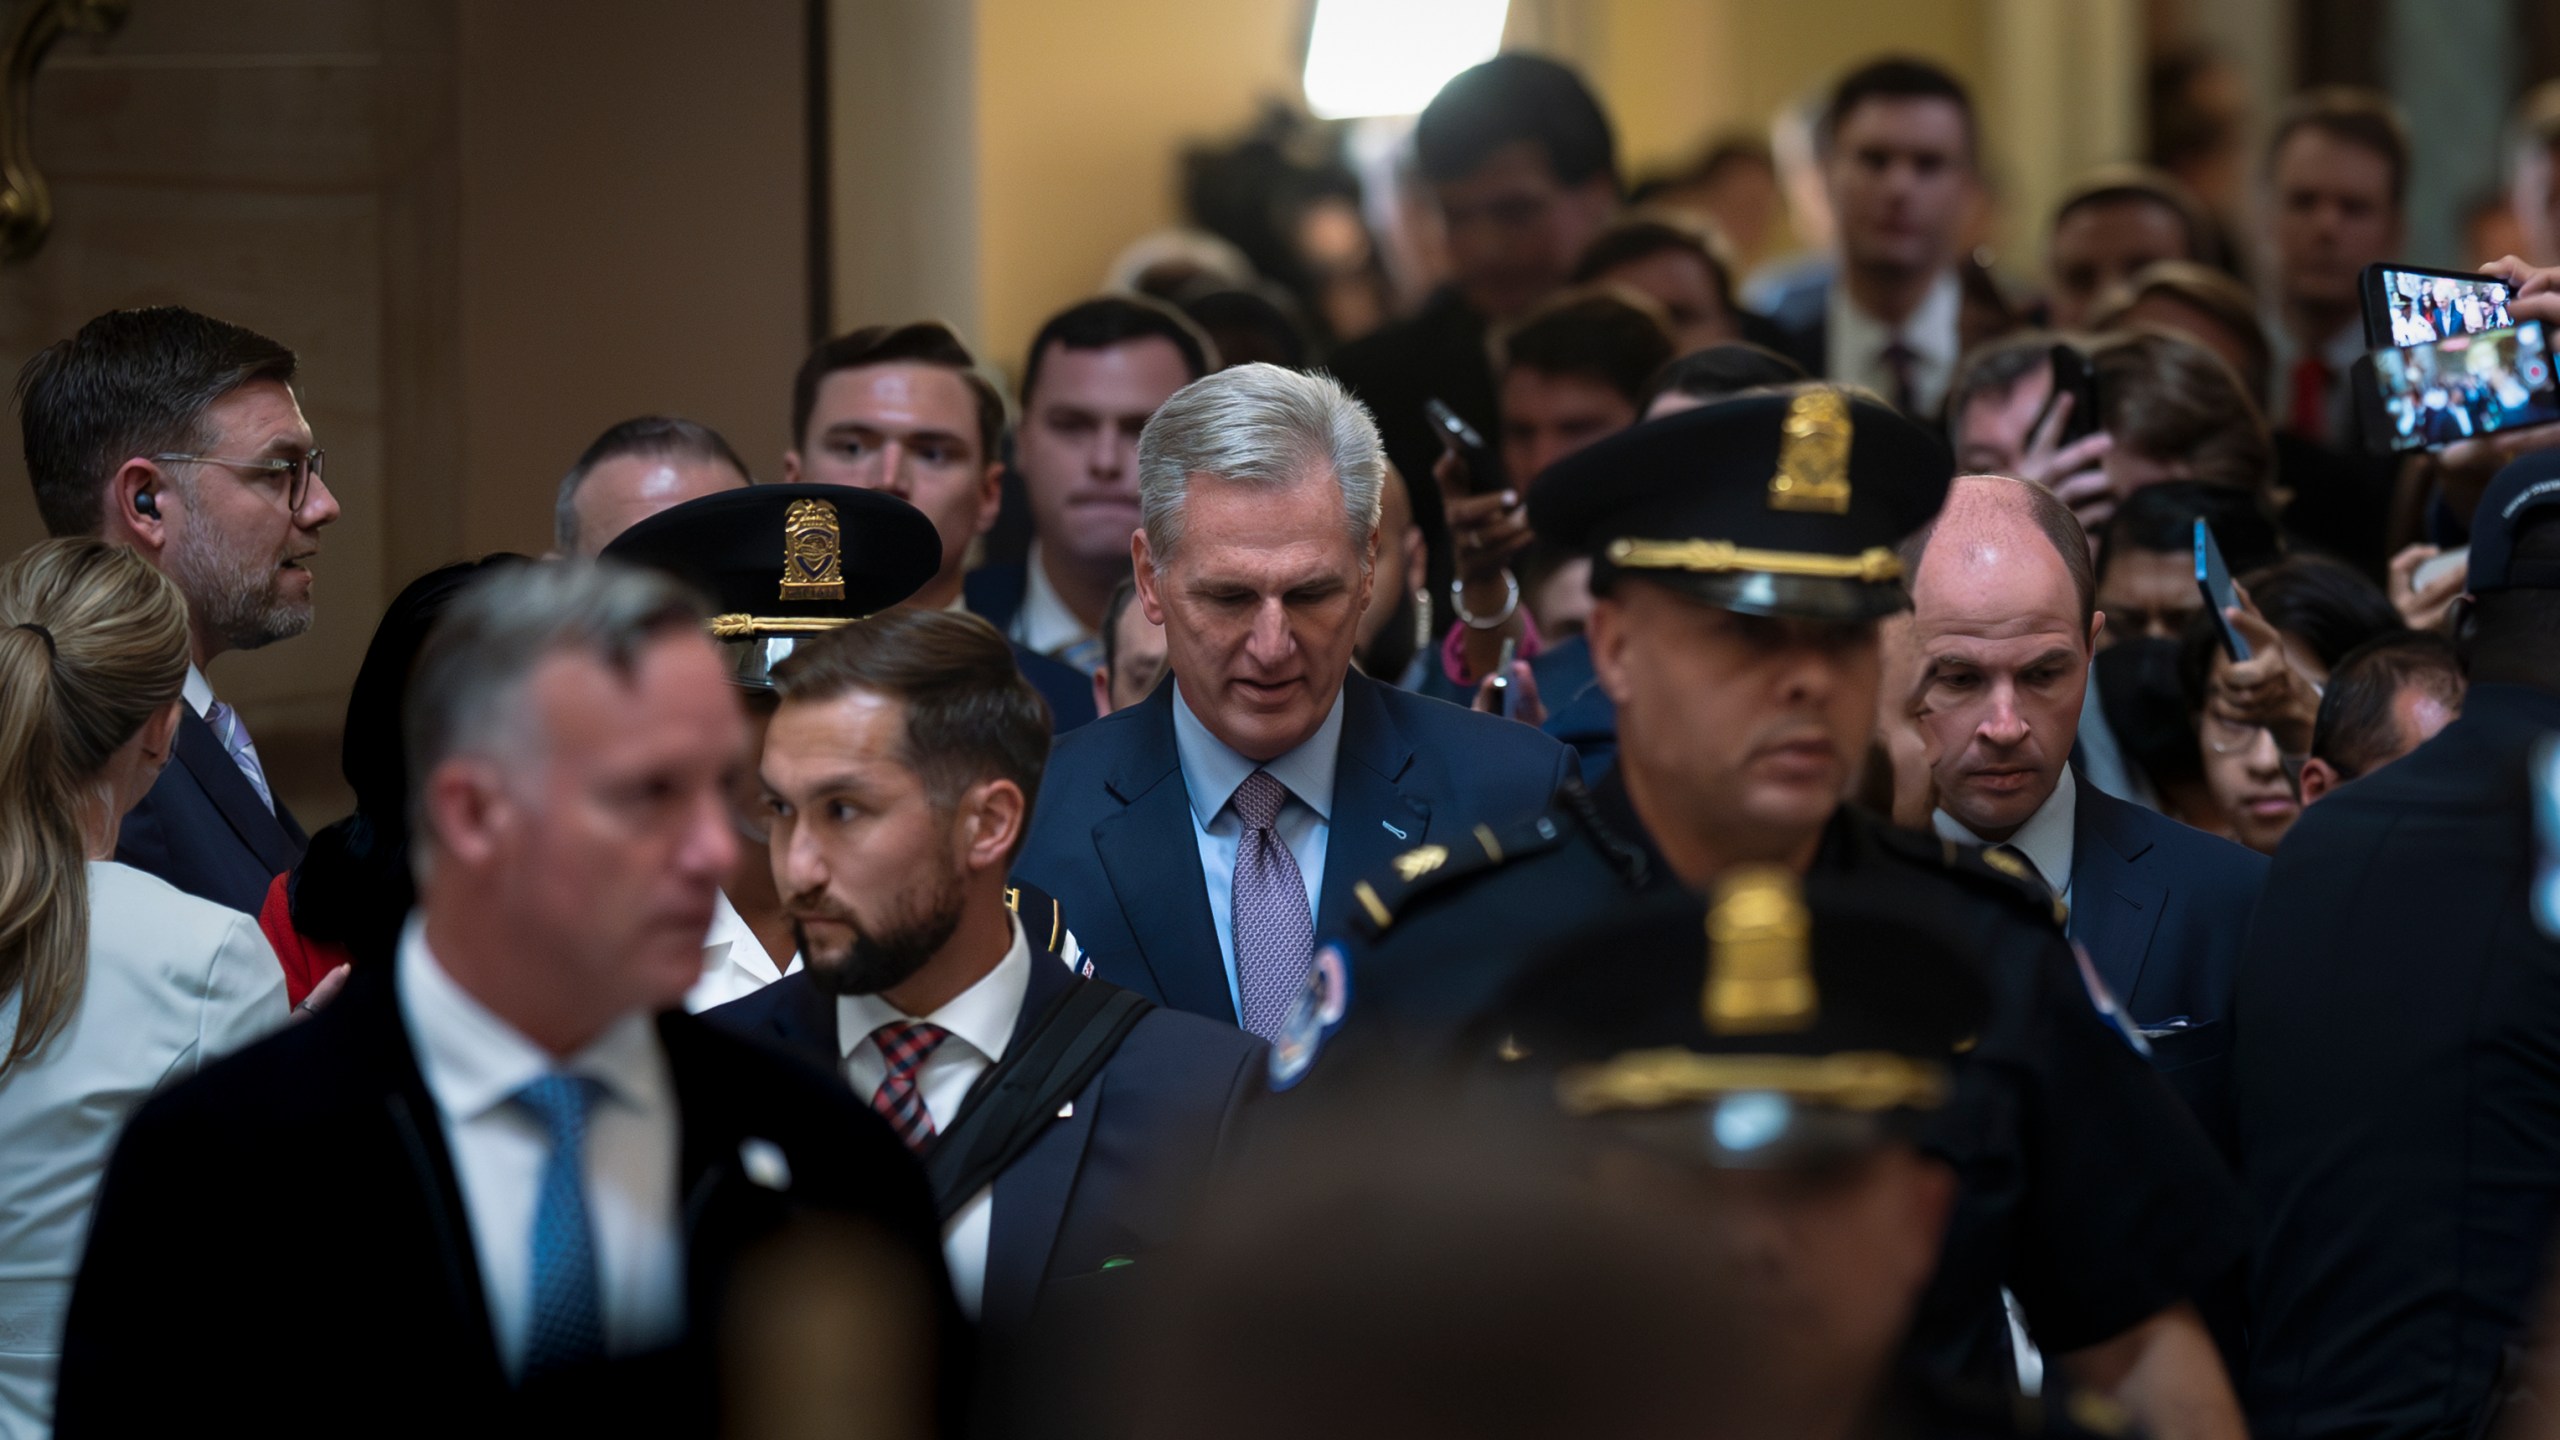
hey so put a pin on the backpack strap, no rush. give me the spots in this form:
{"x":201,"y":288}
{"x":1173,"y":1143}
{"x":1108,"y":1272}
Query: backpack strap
{"x":1017,"y":1097}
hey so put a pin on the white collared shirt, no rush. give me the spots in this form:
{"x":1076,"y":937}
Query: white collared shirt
{"x":1211,"y":772}
{"x":198,"y":691}
{"x":2046,"y":839}
{"x":1858,"y":341}
{"x":981,"y":1020}
{"x":472,"y":1062}
{"x":1044,"y":623}
{"x":734,"y":962}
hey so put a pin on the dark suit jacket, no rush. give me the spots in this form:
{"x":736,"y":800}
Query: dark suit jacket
{"x":2163,"y":909}
{"x":1112,"y":839}
{"x":203,"y":829}
{"x":285,"y":1240}
{"x":994,"y":593}
{"x":2396,"y":1073}
{"x":1111,"y":1180}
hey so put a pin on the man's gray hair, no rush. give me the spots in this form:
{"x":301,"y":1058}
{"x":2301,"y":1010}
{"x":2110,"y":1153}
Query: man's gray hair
{"x":1259,"y":426}
{"x":467,"y":695}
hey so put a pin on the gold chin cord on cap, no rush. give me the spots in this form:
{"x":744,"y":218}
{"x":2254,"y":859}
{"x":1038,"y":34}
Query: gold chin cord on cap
{"x":1868,"y":1080}
{"x":752,"y":627}
{"x":1759,"y":977}
{"x":1874,"y":566}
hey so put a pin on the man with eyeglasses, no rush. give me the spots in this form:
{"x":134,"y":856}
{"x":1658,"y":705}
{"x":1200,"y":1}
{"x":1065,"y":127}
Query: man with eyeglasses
{"x":180,"y":436}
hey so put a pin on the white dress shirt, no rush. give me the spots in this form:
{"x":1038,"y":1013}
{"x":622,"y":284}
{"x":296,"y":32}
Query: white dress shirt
{"x":981,"y":1020}
{"x":198,"y":691}
{"x":472,"y":1062}
{"x":1858,"y":340}
{"x":734,"y":962}
{"x":173,"y":981}
{"x":1211,"y":772}
{"x":1044,"y":623}
{"x":2046,"y":839}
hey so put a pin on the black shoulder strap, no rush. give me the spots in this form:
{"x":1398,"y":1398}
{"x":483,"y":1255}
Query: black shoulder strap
{"x":1017,"y":1097}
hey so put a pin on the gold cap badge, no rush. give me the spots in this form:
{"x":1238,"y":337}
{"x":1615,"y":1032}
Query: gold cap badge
{"x":812,"y":552}
{"x":1813,"y":454}
{"x":1759,"y":979}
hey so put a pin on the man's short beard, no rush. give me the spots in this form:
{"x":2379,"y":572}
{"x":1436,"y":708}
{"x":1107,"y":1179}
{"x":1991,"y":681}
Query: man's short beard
{"x":241,"y":601}
{"x":891,"y":957}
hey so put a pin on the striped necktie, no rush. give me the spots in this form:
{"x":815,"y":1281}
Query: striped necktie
{"x":905,"y":1045}
{"x":244,"y":753}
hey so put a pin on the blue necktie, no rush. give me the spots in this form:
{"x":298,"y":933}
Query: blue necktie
{"x":567,"y":1324}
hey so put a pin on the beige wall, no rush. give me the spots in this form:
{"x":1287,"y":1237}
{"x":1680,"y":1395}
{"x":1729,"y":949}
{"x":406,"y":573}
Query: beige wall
{"x":1063,"y":124}
{"x":634,"y":235}
{"x":489,"y":228}
{"x":1083,"y":109}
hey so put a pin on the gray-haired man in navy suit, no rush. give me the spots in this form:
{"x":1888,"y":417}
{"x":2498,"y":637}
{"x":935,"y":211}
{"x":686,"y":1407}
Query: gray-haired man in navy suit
{"x":1201,"y":839}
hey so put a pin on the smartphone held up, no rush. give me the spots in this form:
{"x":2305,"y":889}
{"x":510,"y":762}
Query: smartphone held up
{"x":2451,"y":362}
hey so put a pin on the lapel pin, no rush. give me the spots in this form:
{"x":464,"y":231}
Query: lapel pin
{"x":1392,"y":830}
{"x":764,"y":1163}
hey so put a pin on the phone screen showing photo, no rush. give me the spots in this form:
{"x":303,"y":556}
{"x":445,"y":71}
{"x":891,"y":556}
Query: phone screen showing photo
{"x":2445,"y":391}
{"x":2427,"y":307}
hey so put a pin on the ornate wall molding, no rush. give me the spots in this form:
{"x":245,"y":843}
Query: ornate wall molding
{"x":26,"y":205}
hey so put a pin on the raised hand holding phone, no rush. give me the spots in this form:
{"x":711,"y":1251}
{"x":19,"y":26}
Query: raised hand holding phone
{"x":2269,"y":685}
{"x":2066,"y":451}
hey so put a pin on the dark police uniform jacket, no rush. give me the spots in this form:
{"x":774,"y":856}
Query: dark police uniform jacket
{"x":2086,"y":1187}
{"x":2396,"y":1076}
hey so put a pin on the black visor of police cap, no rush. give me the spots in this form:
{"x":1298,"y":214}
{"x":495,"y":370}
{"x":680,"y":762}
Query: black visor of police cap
{"x":783,"y":563}
{"x":1786,"y":501}
{"x":2516,"y":494}
{"x":1775,"y":1022}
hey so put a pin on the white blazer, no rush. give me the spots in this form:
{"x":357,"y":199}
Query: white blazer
{"x":173,"y":981}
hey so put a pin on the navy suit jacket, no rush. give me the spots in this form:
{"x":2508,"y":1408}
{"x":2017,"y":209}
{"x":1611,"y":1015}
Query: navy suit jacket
{"x":2163,"y":910}
{"x":1112,"y":837}
{"x":203,"y":829}
{"x":994,"y":594}
{"x":1068,"y":690}
{"x":1111,"y":1180}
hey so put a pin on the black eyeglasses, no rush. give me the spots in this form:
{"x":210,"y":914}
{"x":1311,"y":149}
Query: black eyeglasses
{"x":296,"y":473}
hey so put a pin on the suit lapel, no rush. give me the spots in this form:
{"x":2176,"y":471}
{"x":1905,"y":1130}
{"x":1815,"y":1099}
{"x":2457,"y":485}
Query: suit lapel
{"x":1366,"y":801}
{"x":803,"y":1020}
{"x":1032,"y":1192}
{"x":268,"y":836}
{"x":2115,"y":907}
{"x":1147,"y":850}
{"x":369,"y":1009}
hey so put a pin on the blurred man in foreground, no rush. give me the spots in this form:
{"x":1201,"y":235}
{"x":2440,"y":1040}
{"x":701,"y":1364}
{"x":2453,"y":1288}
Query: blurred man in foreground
{"x":543,"y":1170}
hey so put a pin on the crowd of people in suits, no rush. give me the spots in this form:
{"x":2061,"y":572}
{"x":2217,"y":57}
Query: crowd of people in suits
{"x":1614,"y":858}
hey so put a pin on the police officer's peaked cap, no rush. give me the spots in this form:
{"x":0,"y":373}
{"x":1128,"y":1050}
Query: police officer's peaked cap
{"x":783,"y":563}
{"x":1787,"y":501}
{"x":2515,"y":495}
{"x":1772,"y":1023}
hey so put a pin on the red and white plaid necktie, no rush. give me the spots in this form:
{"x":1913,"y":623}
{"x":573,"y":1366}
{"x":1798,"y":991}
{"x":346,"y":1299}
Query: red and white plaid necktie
{"x":905,"y":1045}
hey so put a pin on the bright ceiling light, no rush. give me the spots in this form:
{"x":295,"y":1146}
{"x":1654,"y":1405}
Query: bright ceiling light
{"x":1389,"y":57}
